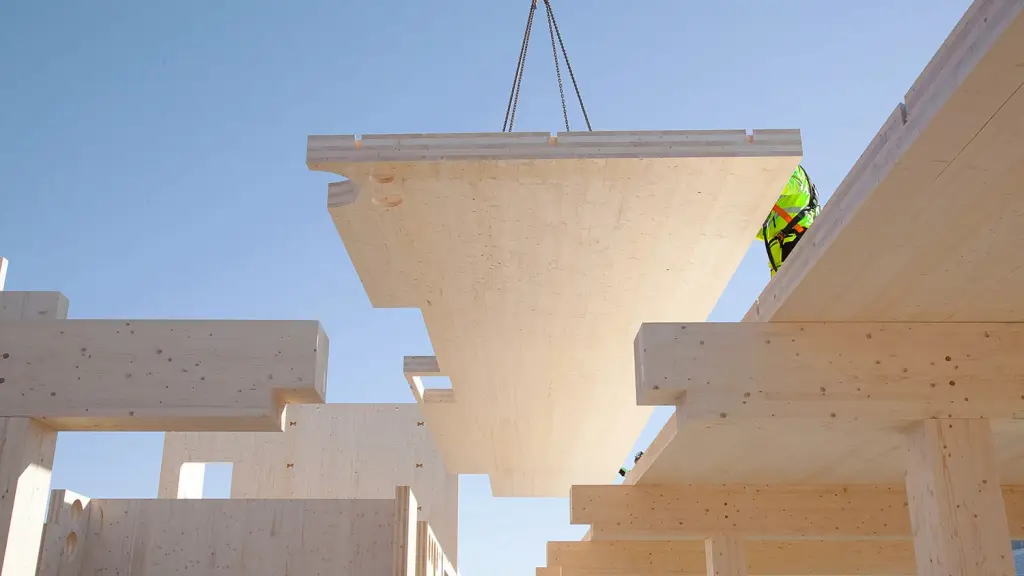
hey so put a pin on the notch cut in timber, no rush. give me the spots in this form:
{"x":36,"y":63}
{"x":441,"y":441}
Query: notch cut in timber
{"x":846,"y":371}
{"x":670,"y":512}
{"x":458,"y":224}
{"x":160,"y":374}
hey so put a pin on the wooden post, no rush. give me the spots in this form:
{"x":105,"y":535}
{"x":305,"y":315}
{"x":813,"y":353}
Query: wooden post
{"x":725,"y":556}
{"x":956,"y":505}
{"x":26,"y":458}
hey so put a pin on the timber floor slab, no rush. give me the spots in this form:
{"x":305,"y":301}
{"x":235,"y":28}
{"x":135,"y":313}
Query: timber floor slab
{"x":928,"y":226}
{"x":534,"y":259}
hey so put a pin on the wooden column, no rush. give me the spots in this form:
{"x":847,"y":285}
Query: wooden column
{"x":26,"y":449}
{"x":956,"y":505}
{"x":725,"y":556}
{"x":26,"y":460}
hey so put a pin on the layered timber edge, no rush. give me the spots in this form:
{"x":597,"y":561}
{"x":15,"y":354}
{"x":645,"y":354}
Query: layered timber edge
{"x":324,"y":150}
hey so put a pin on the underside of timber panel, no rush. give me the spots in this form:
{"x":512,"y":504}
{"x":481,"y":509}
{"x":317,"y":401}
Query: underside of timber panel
{"x":534,"y":260}
{"x":925,"y":228}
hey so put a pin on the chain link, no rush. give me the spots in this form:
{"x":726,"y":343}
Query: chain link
{"x":517,"y":80}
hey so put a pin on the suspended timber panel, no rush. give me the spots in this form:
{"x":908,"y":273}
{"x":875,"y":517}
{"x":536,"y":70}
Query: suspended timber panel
{"x":534,"y":259}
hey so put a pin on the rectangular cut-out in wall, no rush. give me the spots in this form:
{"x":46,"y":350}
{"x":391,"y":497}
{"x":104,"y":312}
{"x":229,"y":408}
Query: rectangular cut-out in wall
{"x":217,"y":481}
{"x":198,"y":480}
{"x":190,"y":480}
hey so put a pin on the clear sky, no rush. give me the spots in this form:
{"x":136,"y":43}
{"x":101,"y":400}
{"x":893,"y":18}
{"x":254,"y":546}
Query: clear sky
{"x":152,"y":158}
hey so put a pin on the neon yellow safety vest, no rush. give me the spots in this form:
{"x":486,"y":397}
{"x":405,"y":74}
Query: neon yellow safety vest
{"x":792,"y":214}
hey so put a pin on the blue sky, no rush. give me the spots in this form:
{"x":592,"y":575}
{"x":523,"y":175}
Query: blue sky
{"x":152,"y":158}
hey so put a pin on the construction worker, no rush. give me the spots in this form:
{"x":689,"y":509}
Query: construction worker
{"x":792,"y":215}
{"x":623,"y":471}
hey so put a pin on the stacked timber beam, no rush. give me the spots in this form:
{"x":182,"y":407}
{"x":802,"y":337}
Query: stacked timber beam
{"x":870,"y":423}
{"x":318,"y":489}
{"x":58,"y":375}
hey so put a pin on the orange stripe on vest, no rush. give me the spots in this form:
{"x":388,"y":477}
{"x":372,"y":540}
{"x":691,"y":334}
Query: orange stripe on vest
{"x":785,"y":216}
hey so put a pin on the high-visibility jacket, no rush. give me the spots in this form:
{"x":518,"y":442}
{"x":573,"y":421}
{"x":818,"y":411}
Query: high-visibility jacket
{"x":792,"y":214}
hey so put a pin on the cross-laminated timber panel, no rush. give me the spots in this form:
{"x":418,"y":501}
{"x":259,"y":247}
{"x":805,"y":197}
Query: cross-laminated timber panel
{"x":328,"y":451}
{"x":375,"y":537}
{"x":951,"y":158}
{"x":534,"y":259}
{"x":927,"y":225}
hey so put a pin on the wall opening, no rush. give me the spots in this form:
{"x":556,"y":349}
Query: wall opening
{"x":437,"y":382}
{"x":199,"y":480}
{"x":217,"y":483}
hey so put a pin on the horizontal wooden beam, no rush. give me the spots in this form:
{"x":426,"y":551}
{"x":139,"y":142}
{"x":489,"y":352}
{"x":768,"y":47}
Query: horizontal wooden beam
{"x":627,"y":557}
{"x":833,"y":371}
{"x":679,"y":512}
{"x":184,"y":375}
{"x":33,"y":306}
{"x":793,"y":557}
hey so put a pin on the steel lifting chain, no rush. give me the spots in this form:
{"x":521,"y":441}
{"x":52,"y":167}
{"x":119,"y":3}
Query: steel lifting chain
{"x":517,"y":80}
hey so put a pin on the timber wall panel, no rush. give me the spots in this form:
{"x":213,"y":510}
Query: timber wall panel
{"x":228,"y":537}
{"x":328,"y":451}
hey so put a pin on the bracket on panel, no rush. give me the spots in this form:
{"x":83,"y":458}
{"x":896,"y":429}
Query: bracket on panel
{"x":418,"y":367}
